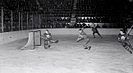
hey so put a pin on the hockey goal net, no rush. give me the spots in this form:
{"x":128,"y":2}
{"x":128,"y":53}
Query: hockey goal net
{"x":34,"y":39}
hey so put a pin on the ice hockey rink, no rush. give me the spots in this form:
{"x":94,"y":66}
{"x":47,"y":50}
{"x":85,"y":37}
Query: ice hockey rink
{"x":67,"y":56}
{"x":26,"y":27}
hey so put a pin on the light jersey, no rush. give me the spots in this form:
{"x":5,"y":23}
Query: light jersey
{"x":48,"y":35}
{"x":123,"y":38}
{"x":82,"y":34}
{"x":122,"y":35}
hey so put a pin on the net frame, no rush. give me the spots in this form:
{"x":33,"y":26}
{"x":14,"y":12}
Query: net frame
{"x":34,"y":38}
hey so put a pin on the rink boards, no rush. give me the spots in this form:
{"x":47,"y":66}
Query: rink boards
{"x":17,"y":35}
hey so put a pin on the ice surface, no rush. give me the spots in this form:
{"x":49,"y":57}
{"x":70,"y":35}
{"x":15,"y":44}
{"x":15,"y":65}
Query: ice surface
{"x":68,"y":56}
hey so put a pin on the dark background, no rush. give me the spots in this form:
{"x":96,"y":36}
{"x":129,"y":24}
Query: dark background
{"x":34,"y":14}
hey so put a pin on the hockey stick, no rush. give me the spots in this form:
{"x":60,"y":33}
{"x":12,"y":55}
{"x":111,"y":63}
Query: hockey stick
{"x":84,"y":26}
{"x":129,"y":31}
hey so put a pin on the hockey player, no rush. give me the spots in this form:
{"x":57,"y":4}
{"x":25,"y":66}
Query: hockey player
{"x":47,"y":38}
{"x":94,"y":30}
{"x":83,"y":36}
{"x":123,"y":38}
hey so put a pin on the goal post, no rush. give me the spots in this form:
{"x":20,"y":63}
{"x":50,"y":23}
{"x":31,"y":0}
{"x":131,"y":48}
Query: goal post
{"x":37,"y":37}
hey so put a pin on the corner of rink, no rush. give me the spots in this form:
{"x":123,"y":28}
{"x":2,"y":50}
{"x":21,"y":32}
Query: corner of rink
{"x":8,"y":37}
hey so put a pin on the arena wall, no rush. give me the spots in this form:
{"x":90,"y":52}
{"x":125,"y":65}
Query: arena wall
{"x":17,"y":35}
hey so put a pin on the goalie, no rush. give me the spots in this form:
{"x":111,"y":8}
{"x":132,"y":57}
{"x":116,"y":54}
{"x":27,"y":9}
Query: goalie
{"x":47,"y":38}
{"x":123,"y":38}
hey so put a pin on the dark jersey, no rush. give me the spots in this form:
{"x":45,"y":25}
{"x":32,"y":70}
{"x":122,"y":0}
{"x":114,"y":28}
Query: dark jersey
{"x":94,"y":29}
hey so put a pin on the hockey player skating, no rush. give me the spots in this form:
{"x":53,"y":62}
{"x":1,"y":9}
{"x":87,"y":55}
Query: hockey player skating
{"x":123,"y":38}
{"x":95,"y":30}
{"x":47,"y":38}
{"x":83,"y":36}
